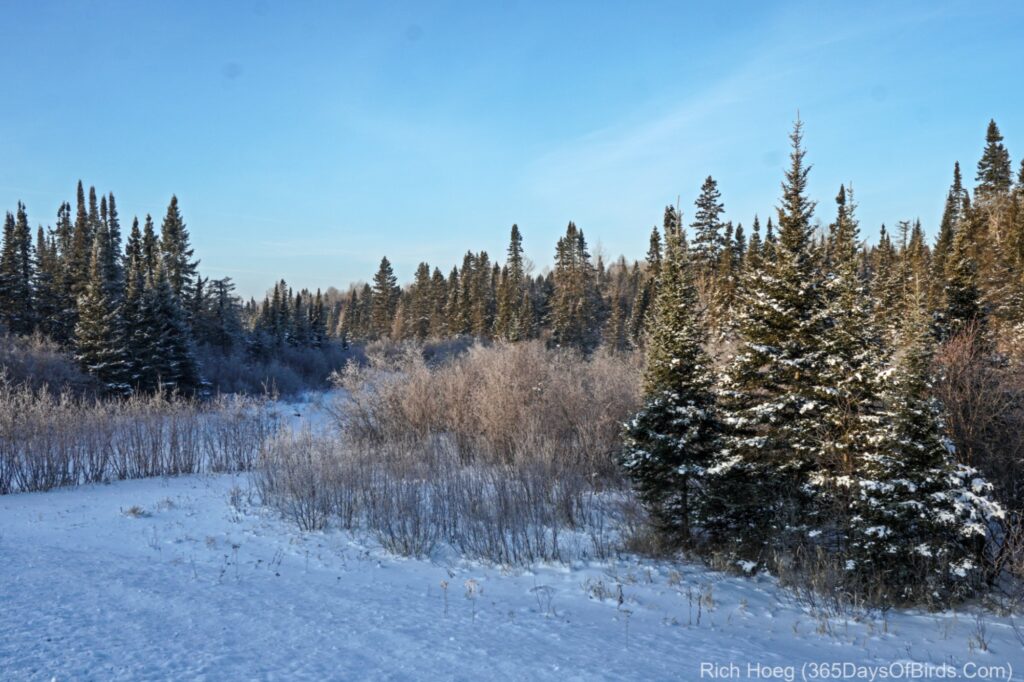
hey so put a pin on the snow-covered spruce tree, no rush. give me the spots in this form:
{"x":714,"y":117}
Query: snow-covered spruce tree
{"x":675,"y":436}
{"x":886,"y":290}
{"x":921,"y":522}
{"x":771,"y":395}
{"x":100,"y":346}
{"x":852,"y":359}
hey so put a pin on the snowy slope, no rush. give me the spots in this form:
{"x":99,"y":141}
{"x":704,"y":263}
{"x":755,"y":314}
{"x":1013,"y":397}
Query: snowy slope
{"x":196,"y":587}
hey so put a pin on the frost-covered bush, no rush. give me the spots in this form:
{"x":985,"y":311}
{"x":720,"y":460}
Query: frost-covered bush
{"x":498,"y":404}
{"x":49,"y":440}
{"x":37,"y":362}
{"x":416,"y":495}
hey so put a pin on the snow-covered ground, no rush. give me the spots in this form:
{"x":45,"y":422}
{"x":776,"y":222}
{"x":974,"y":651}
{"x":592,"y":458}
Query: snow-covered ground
{"x":186,"y":579}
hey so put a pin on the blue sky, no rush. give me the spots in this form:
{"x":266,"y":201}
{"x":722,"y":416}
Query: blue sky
{"x":306,"y":139}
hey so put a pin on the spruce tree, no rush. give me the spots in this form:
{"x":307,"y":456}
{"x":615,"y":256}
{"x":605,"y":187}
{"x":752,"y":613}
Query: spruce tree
{"x":47,"y":299}
{"x":957,"y":203}
{"x":150,"y":251}
{"x":298,"y":332}
{"x":752,"y":256}
{"x":63,"y":277}
{"x":421,"y":303}
{"x":318,"y":322}
{"x":707,"y":227}
{"x":853,"y":357}
{"x":920,"y":521}
{"x":385,"y":299}
{"x":81,"y":247}
{"x":16,"y":274}
{"x":616,"y":334}
{"x":510,"y":323}
{"x":647,"y":289}
{"x":481,"y":296}
{"x":671,"y":442}
{"x":100,"y":346}
{"x":995,"y":175}
{"x":167,"y":359}
{"x":439,"y":300}
{"x":886,"y":287}
{"x":773,"y":386}
{"x":176,"y":253}
{"x":575,"y":320}
{"x":136,"y":282}
{"x":963,"y":307}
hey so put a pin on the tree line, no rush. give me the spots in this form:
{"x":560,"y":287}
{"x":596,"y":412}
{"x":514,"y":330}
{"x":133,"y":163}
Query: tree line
{"x":133,"y":315}
{"x":815,"y":438}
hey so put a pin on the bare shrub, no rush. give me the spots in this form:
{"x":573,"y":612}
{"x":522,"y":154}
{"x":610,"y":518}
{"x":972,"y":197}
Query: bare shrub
{"x":296,"y":474}
{"x":49,"y":440}
{"x":499,"y":404}
{"x":413,"y":495}
{"x":984,"y":402}
{"x":501,"y":452}
{"x":38,"y":363}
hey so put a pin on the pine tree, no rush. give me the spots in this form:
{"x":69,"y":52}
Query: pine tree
{"x":921,"y":522}
{"x":772,"y":391}
{"x":676,"y":435}
{"x":385,"y":299}
{"x":995,"y":175}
